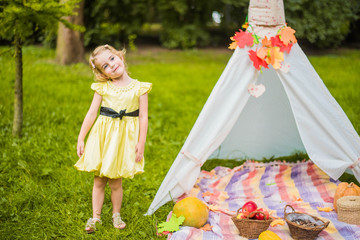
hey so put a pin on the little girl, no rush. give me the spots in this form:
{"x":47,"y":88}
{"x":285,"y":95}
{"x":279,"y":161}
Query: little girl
{"x":115,"y":145}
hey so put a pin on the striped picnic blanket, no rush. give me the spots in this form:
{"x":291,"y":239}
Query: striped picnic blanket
{"x":272,"y":186}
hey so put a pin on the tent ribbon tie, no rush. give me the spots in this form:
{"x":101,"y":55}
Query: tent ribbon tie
{"x":355,"y":163}
{"x":192,"y":157}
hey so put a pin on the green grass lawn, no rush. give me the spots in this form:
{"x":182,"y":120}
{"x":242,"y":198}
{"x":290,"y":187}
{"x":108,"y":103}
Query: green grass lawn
{"x":42,"y":196}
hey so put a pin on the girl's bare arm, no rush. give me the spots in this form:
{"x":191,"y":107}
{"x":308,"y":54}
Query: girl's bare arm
{"x":143,"y":120}
{"x":88,"y":122}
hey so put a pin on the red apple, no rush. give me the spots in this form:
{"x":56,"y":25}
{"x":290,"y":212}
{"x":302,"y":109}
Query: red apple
{"x":260,"y":216}
{"x":248,"y":208}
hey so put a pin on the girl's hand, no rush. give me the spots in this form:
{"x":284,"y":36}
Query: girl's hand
{"x":139,"y":149}
{"x":80,"y":148}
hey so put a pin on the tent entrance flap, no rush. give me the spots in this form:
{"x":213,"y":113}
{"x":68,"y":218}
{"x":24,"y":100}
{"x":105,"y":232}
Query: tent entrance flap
{"x":266,"y":127}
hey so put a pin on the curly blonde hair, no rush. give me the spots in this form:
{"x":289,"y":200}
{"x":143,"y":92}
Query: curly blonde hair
{"x":99,"y":75}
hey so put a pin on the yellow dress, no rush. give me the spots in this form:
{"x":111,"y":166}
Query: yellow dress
{"x":110,"y":147}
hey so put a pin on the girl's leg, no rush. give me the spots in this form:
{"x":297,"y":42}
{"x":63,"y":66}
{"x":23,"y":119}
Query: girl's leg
{"x":116,"y":194}
{"x":116,"y":199}
{"x":98,"y":195}
{"x":97,"y":202}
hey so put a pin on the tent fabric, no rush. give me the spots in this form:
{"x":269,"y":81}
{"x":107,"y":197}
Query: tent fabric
{"x":296,"y":113}
{"x":266,"y":13}
{"x":266,"y":17}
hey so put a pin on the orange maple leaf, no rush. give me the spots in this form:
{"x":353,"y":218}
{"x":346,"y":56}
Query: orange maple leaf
{"x":287,"y":35}
{"x":297,"y":199}
{"x":207,"y":194}
{"x":206,"y":227}
{"x":277,"y":222}
{"x":266,"y":42}
{"x":275,"y":57}
{"x":233,"y":45}
{"x":261,"y":53}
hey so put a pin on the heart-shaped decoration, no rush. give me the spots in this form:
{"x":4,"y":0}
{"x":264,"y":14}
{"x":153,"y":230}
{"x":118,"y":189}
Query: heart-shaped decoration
{"x":256,"y":90}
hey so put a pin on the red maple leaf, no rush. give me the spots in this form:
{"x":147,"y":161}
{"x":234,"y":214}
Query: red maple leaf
{"x":257,"y":62}
{"x":286,"y":48}
{"x":243,"y":38}
{"x":276,"y":42}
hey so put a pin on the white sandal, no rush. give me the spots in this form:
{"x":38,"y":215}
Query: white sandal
{"x":118,"y":222}
{"x":90,"y":225}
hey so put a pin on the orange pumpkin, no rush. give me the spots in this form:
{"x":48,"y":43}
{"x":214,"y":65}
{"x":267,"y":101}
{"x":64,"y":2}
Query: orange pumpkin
{"x":268,"y":235}
{"x":346,"y":189}
{"x":196,"y":213}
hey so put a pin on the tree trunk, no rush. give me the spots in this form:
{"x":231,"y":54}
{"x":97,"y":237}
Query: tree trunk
{"x":18,"y":98}
{"x":70,"y":43}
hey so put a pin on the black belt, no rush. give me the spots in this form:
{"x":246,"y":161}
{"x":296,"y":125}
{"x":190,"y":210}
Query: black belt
{"x":112,"y":113}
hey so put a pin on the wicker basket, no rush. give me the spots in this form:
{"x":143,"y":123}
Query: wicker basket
{"x":299,"y":232}
{"x":349,"y":209}
{"x":251,"y":228}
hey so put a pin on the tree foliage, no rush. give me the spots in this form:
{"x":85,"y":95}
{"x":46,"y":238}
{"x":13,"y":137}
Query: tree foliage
{"x":189,"y":23}
{"x":25,"y":17}
{"x":114,"y":22}
{"x":323,"y":23}
{"x":184,"y":22}
{"x":19,"y":19}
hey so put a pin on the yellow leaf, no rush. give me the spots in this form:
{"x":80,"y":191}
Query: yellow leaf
{"x":214,"y":208}
{"x":223,"y":196}
{"x":325,"y":209}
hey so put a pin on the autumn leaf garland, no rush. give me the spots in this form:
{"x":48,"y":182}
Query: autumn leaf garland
{"x":271,"y":51}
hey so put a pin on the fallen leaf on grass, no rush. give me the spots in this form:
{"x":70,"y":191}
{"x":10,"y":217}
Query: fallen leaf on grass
{"x":172,"y":225}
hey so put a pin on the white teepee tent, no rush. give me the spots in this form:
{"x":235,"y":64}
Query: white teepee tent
{"x":296,"y":113}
